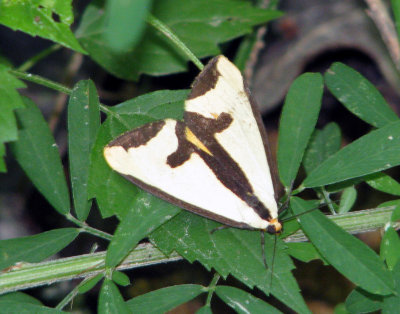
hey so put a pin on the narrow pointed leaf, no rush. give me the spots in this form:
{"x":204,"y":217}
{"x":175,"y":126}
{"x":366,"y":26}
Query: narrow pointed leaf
{"x":360,"y":301}
{"x":304,"y":251}
{"x":243,"y":302}
{"x":347,"y":254}
{"x":9,"y":100}
{"x":390,"y":247}
{"x":20,"y":297}
{"x":376,"y":151}
{"x":83,"y":123}
{"x":166,"y":299}
{"x":120,"y":278}
{"x":299,"y":116}
{"x":347,"y":200}
{"x":111,"y":300}
{"x":26,"y":308}
{"x":358,"y":95}
{"x":122,"y":15}
{"x":391,"y":304}
{"x":206,"y":309}
{"x":323,"y":144}
{"x":89,"y":283}
{"x":384,"y":183}
{"x":35,"y":248}
{"x":37,"y":153}
{"x":147,"y":213}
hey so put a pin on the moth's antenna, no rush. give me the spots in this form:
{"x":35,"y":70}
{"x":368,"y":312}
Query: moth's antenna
{"x":303,"y":213}
{"x":263,"y":248}
{"x":273,"y":261}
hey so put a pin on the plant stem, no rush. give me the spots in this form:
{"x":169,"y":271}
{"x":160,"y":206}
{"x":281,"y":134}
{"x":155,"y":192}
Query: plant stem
{"x":35,"y":59}
{"x":165,"y":30}
{"x":41,"y":81}
{"x":88,"y":265}
{"x":67,"y":298}
{"x":211,"y":288}
{"x":86,"y":228}
{"x":33,"y":275}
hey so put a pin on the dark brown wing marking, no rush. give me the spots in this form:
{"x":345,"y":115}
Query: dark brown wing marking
{"x":220,"y":162}
{"x":206,"y":80}
{"x":139,"y":136}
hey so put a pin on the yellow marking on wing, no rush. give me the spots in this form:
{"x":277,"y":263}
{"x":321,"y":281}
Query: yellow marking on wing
{"x":215,"y":115}
{"x":195,"y":141}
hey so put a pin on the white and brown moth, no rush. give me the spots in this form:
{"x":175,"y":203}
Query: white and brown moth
{"x":213,"y":163}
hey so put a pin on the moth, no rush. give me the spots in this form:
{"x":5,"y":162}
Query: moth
{"x":213,"y":163}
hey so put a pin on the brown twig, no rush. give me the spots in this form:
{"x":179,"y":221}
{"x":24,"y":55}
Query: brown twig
{"x":379,"y":14}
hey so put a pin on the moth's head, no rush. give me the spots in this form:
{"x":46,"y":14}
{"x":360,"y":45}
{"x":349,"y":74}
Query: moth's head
{"x":274,"y":226}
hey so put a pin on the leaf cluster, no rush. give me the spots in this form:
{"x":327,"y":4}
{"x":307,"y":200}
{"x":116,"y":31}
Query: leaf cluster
{"x":329,"y":168}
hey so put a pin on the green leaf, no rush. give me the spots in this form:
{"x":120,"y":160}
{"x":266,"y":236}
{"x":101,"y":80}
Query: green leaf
{"x":9,"y":100}
{"x":232,"y":251}
{"x":340,"y":309}
{"x":201,"y":24}
{"x":243,"y":302}
{"x":358,"y":95}
{"x":396,"y":12}
{"x":323,"y":144}
{"x":120,"y":278}
{"x":298,"y":119}
{"x":360,"y":301}
{"x":206,"y":309}
{"x":391,"y":304}
{"x":111,"y":300}
{"x":37,"y":153}
{"x":390,"y":247}
{"x":347,"y":200}
{"x":304,"y":251}
{"x":376,"y":151}
{"x":147,"y":213}
{"x":166,"y":299}
{"x":3,"y":167}
{"x":347,"y":254}
{"x":25,"y":308}
{"x":35,"y":248}
{"x":19,"y":297}
{"x":121,"y":15}
{"x":396,"y":211}
{"x":114,"y":194}
{"x":89,"y":283}
{"x":384,"y":183}
{"x":83,"y":123}
{"x":47,"y":19}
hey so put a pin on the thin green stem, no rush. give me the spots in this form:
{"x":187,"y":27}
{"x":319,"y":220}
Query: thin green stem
{"x":164,"y":29}
{"x":68,"y":298}
{"x":35,"y":59}
{"x":328,"y":201}
{"x":86,"y":228}
{"x":114,"y":114}
{"x":211,"y":288}
{"x":41,"y":81}
{"x":63,"y":89}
